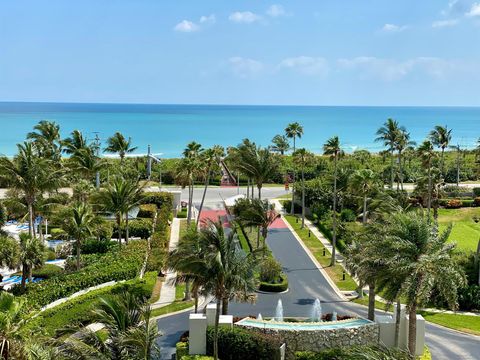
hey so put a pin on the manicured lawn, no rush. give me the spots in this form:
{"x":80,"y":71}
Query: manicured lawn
{"x":183,"y":227}
{"x":465,"y":232}
{"x":465,"y":323}
{"x":316,"y":247}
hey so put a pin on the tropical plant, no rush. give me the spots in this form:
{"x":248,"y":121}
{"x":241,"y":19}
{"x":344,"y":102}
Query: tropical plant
{"x":74,"y":143}
{"x":209,"y":158}
{"x":118,"y":144}
{"x":280,"y":144}
{"x":187,"y":170}
{"x":292,"y":131}
{"x":415,"y":254}
{"x":31,"y":255}
{"x":46,"y":137}
{"x":303,"y":158}
{"x":403,"y":142}
{"x":9,"y":252}
{"x":30,"y":175}
{"x":389,"y":134}
{"x":119,"y":197}
{"x":427,"y":154}
{"x":129,"y":332}
{"x":363,"y":182}
{"x":332,"y":148}
{"x":441,"y":136}
{"x":79,"y":222}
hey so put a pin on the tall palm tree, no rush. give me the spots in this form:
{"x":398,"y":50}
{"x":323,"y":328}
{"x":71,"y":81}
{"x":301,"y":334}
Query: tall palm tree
{"x":292,"y":131}
{"x":79,"y":222}
{"x":74,"y":143}
{"x":403,"y":142}
{"x":189,"y":169}
{"x":130,"y":332}
{"x":118,"y":144}
{"x":31,"y":256}
{"x":303,"y":158}
{"x":119,"y":197}
{"x":441,"y":136}
{"x":388,"y":134}
{"x":86,"y":162}
{"x":332,"y":148}
{"x":9,"y":252}
{"x":413,"y":249}
{"x":427,"y":154}
{"x":280,"y":144}
{"x":238,"y":156}
{"x":209,"y":158}
{"x":363,"y":182}
{"x":30,"y":175}
{"x":230,"y":271}
{"x":46,"y":136}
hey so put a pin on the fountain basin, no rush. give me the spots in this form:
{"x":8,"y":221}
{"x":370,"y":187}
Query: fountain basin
{"x":303,"y":325}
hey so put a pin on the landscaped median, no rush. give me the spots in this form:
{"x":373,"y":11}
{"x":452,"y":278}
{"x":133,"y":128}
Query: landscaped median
{"x":336,"y":273}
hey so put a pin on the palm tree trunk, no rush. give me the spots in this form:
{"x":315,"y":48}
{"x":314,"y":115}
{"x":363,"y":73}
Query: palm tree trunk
{"x":400,"y":170}
{"x":207,"y":180}
{"x":195,"y":296}
{"x":397,"y":322}
{"x":392,"y":164}
{"x":458,"y":167}
{"x":364,"y":218}
{"x":215,"y":333}
{"x":188,"y":296}
{"x":78,"y":254}
{"x":126,"y":228}
{"x":24,"y":275}
{"x":119,"y":224}
{"x":429,"y":199}
{"x":442,"y":165}
{"x":225,"y":306}
{"x":259,"y":191}
{"x":292,"y":206}
{"x":30,"y":219}
{"x":190,"y":199}
{"x":303,"y":197}
{"x":334,"y":235}
{"x":412,"y":328}
{"x":371,"y":302}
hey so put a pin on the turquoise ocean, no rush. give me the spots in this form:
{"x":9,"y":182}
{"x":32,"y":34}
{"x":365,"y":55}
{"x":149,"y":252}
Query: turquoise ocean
{"x":168,"y":128}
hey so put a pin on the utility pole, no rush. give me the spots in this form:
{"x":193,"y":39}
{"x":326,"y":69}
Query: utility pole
{"x":149,"y":163}
{"x":97,"y":153}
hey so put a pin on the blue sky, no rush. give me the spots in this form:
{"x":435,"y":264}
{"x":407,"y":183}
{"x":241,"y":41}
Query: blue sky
{"x":349,"y":52}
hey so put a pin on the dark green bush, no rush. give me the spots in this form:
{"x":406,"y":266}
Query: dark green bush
{"x":241,"y":344}
{"x":467,"y":203}
{"x":196,"y":357}
{"x":50,"y":255}
{"x":147,"y":211}
{"x":347,"y":215}
{"x":159,"y":199}
{"x":270,"y":270}
{"x":361,"y":352}
{"x":94,"y":246}
{"x":476,"y":191}
{"x":275,"y":287}
{"x":182,"y":349}
{"x":469,"y":298}
{"x":140,"y":227}
{"x":287,"y":204}
{"x":104,"y":230}
{"x":47,"y":271}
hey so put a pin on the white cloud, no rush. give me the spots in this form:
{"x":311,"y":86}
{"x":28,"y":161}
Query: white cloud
{"x":210,"y":19}
{"x":306,"y":65}
{"x":186,"y":26}
{"x":474,"y":10}
{"x":276,"y":10}
{"x":455,"y":7}
{"x":392,"y":70}
{"x":244,"y":67}
{"x":444,"y":23}
{"x":394,"y":28}
{"x":245,"y":17}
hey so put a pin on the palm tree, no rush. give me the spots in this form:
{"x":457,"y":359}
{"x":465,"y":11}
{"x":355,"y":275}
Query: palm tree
{"x":131,"y":333}
{"x":86,"y":162}
{"x":427,"y":154}
{"x":46,"y":136}
{"x":280,"y":144}
{"x":79,"y":222}
{"x":304,"y":158}
{"x":74,"y":143}
{"x":292,"y":131}
{"x":363,"y":182}
{"x":31,"y":175}
{"x":332,"y":148}
{"x":9,"y":252}
{"x":209,"y":158}
{"x":403,"y":142}
{"x":413,"y":250}
{"x":118,"y":144}
{"x":119,"y":197}
{"x":230,"y":272}
{"x":188,"y":169}
{"x":31,"y":256}
{"x":388,"y":134}
{"x":440,"y":136}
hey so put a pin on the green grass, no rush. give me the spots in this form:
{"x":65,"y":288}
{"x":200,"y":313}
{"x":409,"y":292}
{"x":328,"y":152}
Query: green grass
{"x":465,"y":232}
{"x":183,"y":228}
{"x":285,"y":197}
{"x":316,"y":247}
{"x":466,"y":323}
{"x":182,"y":214}
{"x":378,"y":304}
{"x":177,"y":305}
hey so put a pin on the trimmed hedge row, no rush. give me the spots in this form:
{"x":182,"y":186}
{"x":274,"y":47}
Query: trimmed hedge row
{"x":458,"y":203}
{"x":147,"y":211}
{"x":140,"y":227}
{"x":158,"y":198}
{"x":241,"y":344}
{"x":275,"y":288}
{"x":361,"y":352}
{"x":123,"y":264}
{"x":160,"y":238}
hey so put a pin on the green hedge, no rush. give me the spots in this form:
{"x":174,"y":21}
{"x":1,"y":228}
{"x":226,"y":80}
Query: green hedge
{"x":361,"y":352}
{"x":147,"y":211}
{"x":279,"y":287}
{"x":160,"y":238}
{"x":241,"y":344}
{"x":159,"y":199}
{"x":123,"y":264}
{"x":46,"y":271}
{"x":196,"y":357}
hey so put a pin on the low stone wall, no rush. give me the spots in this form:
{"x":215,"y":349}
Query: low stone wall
{"x":318,"y":340}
